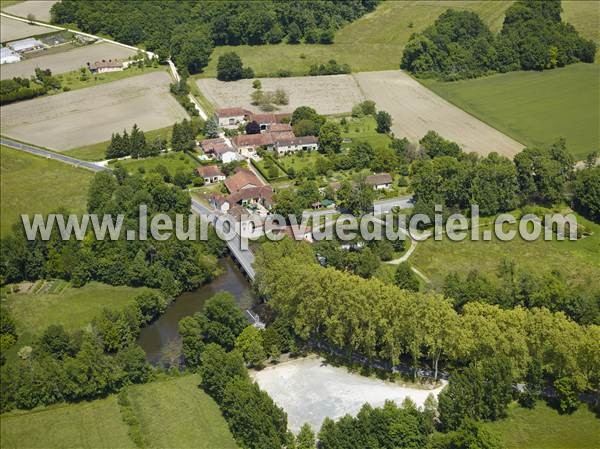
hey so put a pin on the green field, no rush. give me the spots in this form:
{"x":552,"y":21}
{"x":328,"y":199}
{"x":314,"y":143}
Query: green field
{"x":173,"y":161}
{"x":87,"y":425}
{"x":177,"y":414}
{"x":73,"y":81}
{"x":31,"y":184}
{"x":73,"y":308}
{"x":577,"y":260}
{"x":544,"y":428}
{"x":97,"y":151}
{"x":535,"y":107}
{"x":373,"y":42}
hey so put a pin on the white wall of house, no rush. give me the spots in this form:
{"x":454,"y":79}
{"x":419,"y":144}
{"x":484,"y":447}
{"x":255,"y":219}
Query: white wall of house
{"x":231,"y":122}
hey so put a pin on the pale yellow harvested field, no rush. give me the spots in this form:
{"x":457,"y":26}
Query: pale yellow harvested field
{"x":12,"y":29}
{"x":416,"y":110}
{"x":39,"y":8}
{"x":331,"y":94}
{"x":82,"y":117}
{"x":66,"y":61}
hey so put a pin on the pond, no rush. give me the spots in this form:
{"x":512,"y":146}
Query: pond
{"x":160,"y":340}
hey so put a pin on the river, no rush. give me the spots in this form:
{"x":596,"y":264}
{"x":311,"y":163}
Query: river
{"x":160,"y":340}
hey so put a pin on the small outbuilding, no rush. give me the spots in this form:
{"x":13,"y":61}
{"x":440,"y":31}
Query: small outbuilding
{"x":379,"y":181}
{"x":25,"y":45}
{"x":7,"y":56}
{"x":211,"y":174}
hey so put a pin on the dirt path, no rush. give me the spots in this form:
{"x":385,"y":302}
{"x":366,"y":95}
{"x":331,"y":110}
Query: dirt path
{"x":416,"y":110}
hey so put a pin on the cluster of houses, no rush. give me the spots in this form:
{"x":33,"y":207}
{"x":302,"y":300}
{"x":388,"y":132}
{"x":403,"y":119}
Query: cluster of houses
{"x":275,"y":134}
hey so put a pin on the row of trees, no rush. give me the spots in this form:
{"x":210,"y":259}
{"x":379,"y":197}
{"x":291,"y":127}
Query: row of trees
{"x":350,"y":316}
{"x":513,"y":286}
{"x":172,"y":265}
{"x":459,"y":45}
{"x":133,"y":145}
{"x":187,"y":32}
{"x":18,"y":89}
{"x":61,"y":366}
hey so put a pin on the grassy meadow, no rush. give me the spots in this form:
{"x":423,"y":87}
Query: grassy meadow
{"x":87,"y":425}
{"x":176,"y":413}
{"x":97,"y":151}
{"x":173,"y":161}
{"x":577,"y":260}
{"x":72,"y":80}
{"x":535,"y":108}
{"x":373,"y":42}
{"x":544,"y":428}
{"x":32,"y":184}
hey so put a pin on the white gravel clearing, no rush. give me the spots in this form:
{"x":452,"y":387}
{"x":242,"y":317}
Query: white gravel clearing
{"x":310,"y":390}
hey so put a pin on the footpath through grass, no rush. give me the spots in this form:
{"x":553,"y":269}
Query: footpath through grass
{"x":31,"y":184}
{"x":175,"y":413}
{"x":544,"y":428}
{"x":87,"y":425}
{"x":535,"y":108}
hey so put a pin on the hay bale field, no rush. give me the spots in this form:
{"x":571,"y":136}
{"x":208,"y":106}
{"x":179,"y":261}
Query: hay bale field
{"x":85,"y":116}
{"x":39,"y":8}
{"x":331,"y":94}
{"x":66,"y":61}
{"x":11,"y":29}
{"x":416,"y":110}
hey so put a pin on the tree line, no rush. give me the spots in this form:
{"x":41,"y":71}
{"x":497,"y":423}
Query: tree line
{"x":172,"y":265}
{"x":533,"y":37}
{"x":18,"y":89}
{"x":187,"y":31}
{"x":61,"y":366}
{"x":350,"y":316}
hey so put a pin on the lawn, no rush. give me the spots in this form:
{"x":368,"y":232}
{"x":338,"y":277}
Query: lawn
{"x":364,"y":130}
{"x":176,"y":413}
{"x":535,"y":107}
{"x":97,"y":151}
{"x":173,"y":161}
{"x":73,"y":308}
{"x":544,"y":428}
{"x":32,"y":184}
{"x":373,"y":42}
{"x":577,"y":260}
{"x":73,"y":80}
{"x":87,"y":425}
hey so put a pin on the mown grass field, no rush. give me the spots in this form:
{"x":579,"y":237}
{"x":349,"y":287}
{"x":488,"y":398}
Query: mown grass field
{"x":373,"y":42}
{"x":72,"y":308}
{"x":97,"y":151}
{"x":173,"y":161}
{"x":177,"y":414}
{"x":535,"y":108}
{"x":87,"y":425}
{"x":544,"y":428}
{"x":31,"y":184}
{"x":73,"y":81}
{"x":577,"y":260}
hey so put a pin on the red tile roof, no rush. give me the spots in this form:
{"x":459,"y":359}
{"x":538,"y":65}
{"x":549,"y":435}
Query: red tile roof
{"x":256,"y":140}
{"x":286,"y":139}
{"x":264,"y":193}
{"x":279,"y":127}
{"x":232,"y":112}
{"x":209,"y":171}
{"x":269,"y":118}
{"x":379,"y":179}
{"x":243,"y":178}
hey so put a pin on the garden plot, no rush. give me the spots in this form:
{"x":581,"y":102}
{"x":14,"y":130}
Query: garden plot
{"x":67,"y":61}
{"x":309,"y":391}
{"x":39,"y":8}
{"x":332,"y":94}
{"x":85,"y":116}
{"x":11,"y":29}
{"x":416,"y":110}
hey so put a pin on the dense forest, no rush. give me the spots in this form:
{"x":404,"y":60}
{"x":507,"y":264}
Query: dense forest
{"x":459,"y":45}
{"x":187,"y":31}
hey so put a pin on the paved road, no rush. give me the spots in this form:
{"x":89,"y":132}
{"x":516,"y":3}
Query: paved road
{"x":386,"y":206}
{"x":245,"y":257}
{"x":51,"y":155}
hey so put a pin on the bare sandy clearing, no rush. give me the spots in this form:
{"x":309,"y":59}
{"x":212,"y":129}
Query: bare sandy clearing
{"x":67,"y":61}
{"x":39,"y":8}
{"x":11,"y":29}
{"x":310,"y":391}
{"x":82,"y":117}
{"x":331,"y":94}
{"x":416,"y":110}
